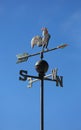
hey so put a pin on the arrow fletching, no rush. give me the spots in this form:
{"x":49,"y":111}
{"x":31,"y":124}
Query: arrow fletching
{"x":22,"y":57}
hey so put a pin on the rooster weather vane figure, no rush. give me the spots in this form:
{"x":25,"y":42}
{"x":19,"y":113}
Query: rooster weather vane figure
{"x":41,"y":41}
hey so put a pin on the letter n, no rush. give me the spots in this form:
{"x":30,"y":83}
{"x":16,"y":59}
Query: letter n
{"x":59,"y":81}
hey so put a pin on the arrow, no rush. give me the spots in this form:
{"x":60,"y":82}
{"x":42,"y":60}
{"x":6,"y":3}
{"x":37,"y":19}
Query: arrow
{"x":24,"y":57}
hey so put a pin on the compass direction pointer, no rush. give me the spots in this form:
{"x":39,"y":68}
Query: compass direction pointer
{"x":24,"y":57}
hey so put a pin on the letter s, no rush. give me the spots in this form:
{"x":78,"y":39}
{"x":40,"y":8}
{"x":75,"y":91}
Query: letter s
{"x":23,"y":74}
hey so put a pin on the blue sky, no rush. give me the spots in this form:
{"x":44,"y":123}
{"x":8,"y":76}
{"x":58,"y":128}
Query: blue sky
{"x":20,"y":20}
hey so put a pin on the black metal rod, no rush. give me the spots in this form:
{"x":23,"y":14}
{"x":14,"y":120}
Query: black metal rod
{"x":38,"y":53}
{"x":42,"y":105}
{"x":36,"y":77}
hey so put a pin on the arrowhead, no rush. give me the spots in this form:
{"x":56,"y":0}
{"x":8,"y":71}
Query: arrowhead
{"x":62,"y":46}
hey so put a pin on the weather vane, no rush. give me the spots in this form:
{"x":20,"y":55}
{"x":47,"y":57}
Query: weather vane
{"x":41,"y":67}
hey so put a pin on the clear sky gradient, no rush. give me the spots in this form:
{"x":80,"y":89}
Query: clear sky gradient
{"x":20,"y":20}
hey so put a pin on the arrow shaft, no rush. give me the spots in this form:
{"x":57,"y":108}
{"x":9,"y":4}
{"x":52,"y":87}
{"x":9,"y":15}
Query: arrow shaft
{"x":40,"y":52}
{"x":58,"y":47}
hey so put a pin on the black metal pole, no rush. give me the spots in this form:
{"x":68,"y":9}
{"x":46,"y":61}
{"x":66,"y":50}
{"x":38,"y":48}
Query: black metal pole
{"x":41,"y":67}
{"x":42,"y":104}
